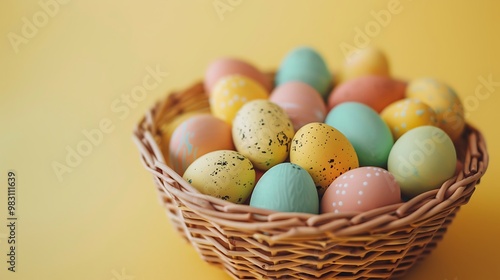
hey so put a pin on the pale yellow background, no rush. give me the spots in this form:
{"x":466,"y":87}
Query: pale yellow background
{"x":103,"y":221}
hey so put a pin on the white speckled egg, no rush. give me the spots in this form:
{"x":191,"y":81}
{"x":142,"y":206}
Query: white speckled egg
{"x":224,"y":174}
{"x":262,"y":132}
{"x":361,"y":189}
{"x":231,"y":93}
{"x":406,"y":114}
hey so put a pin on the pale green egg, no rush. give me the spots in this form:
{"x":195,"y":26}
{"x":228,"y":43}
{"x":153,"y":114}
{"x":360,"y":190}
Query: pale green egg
{"x":422,"y":159}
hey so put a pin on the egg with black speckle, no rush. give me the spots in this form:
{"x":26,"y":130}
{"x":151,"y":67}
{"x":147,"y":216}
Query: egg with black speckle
{"x":262,"y":131}
{"x":224,"y":174}
{"x":324,"y":152}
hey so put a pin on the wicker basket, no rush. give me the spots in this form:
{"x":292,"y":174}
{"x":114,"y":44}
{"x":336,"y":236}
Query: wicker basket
{"x":251,"y":243}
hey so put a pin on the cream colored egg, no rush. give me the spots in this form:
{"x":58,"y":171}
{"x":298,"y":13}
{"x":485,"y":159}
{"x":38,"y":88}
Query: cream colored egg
{"x":262,"y":131}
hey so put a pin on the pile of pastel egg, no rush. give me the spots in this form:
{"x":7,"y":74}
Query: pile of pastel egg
{"x":309,"y":142}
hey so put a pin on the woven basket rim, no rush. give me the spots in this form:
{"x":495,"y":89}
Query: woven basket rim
{"x":453,"y":193}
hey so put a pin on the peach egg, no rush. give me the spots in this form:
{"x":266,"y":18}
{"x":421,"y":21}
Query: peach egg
{"x":197,"y":136}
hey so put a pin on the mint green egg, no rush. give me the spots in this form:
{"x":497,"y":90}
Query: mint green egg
{"x":364,"y":128}
{"x":305,"y":64}
{"x":286,"y":187}
{"x":422,"y":159}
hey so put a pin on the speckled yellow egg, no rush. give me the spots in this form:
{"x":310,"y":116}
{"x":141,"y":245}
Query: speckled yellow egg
{"x":262,"y":131}
{"x":324,"y":152}
{"x":403,"y":115}
{"x":231,"y":93}
{"x":224,"y":174}
{"x":443,"y":100}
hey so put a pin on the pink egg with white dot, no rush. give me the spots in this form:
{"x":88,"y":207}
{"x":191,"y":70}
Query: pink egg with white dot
{"x":361,"y":189}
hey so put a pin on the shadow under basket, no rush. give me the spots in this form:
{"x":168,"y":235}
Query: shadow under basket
{"x":252,"y":243}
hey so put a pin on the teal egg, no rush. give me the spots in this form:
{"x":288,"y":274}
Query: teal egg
{"x":364,"y":128}
{"x":306,"y":65}
{"x":422,"y":159}
{"x":286,"y":187}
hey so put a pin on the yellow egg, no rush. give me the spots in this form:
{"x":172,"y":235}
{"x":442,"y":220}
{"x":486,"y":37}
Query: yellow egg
{"x":403,"y":115}
{"x":224,"y":174}
{"x":324,"y":152}
{"x":443,"y":100}
{"x":231,"y":92}
{"x":363,"y":62}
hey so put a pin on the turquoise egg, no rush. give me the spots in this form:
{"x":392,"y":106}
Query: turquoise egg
{"x":306,"y":65}
{"x":286,"y":187}
{"x":364,"y":128}
{"x":422,"y":159}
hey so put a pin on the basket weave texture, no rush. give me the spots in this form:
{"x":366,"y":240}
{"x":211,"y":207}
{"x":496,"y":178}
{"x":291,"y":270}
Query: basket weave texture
{"x":251,"y":243}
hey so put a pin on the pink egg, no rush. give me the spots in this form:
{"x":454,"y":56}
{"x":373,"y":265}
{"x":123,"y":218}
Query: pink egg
{"x":302,"y":103}
{"x":230,"y":66}
{"x":197,"y":136}
{"x":361,"y":189}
